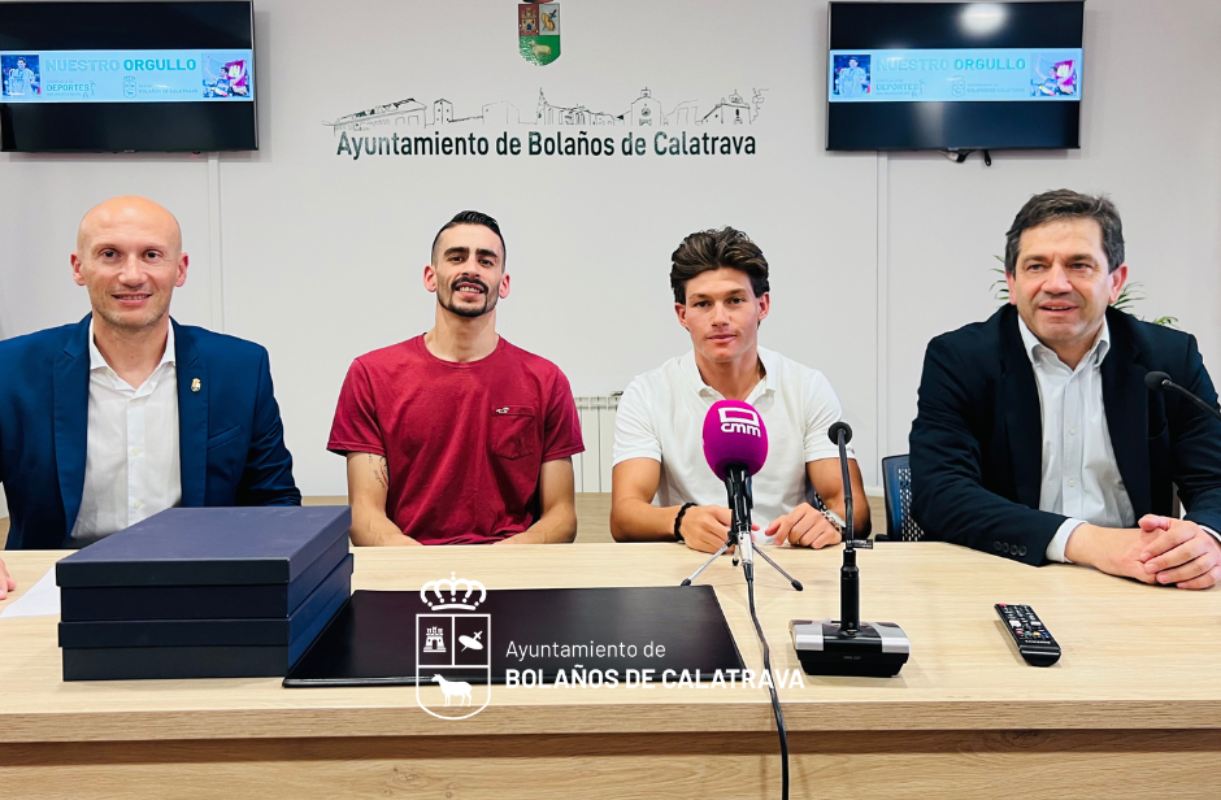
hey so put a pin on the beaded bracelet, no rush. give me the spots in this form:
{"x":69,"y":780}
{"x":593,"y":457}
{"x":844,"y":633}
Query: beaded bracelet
{"x":678,"y":521}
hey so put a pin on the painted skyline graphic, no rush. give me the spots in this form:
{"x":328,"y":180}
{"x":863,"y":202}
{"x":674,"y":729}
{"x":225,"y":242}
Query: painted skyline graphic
{"x":644,"y":111}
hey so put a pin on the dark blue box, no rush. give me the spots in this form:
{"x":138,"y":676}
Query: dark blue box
{"x":241,"y":648}
{"x":324,"y":600}
{"x":235,"y":601}
{"x":209,"y":547}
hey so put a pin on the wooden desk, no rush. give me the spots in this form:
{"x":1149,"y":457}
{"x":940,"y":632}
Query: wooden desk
{"x":1132,"y":709}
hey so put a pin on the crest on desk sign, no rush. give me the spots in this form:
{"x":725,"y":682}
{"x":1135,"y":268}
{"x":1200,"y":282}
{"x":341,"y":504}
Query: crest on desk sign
{"x":453,"y":649}
{"x":538,"y":32}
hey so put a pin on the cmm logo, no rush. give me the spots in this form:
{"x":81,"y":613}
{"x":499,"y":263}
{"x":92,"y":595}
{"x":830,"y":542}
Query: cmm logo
{"x":740,"y":420}
{"x":454,"y":649}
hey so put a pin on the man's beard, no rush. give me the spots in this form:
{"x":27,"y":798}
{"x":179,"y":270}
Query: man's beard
{"x":489,"y":299}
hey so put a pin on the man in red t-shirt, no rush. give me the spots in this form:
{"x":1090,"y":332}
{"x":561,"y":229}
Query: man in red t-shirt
{"x":457,"y":436}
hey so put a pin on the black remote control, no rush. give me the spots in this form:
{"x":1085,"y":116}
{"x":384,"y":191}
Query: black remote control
{"x":1034,"y":642}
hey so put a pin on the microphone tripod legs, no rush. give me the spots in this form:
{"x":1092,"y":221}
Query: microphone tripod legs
{"x":796,"y":584}
{"x":687,"y":581}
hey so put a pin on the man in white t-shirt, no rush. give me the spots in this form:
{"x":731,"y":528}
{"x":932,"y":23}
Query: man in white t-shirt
{"x":662,"y":489}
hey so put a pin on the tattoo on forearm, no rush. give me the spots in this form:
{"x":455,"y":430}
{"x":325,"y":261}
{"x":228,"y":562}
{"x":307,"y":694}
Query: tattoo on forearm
{"x":381,"y":470}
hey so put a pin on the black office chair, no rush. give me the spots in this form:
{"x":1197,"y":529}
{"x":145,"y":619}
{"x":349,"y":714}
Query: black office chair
{"x":897,"y":486}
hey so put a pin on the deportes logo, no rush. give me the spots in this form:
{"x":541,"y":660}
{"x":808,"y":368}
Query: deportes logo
{"x":740,"y":420}
{"x":454,"y":649}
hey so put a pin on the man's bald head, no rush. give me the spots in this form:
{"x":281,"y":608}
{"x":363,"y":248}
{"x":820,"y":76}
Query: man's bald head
{"x":128,"y":211}
{"x":129,"y":256}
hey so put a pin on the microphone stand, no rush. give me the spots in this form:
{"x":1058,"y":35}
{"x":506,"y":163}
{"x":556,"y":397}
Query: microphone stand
{"x":845,"y":646}
{"x":738,"y":489}
{"x":849,"y":573}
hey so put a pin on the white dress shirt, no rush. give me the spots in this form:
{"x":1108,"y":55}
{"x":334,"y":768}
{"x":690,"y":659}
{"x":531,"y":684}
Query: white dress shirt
{"x":131,"y":455}
{"x":661,"y":417}
{"x":1080,"y":474}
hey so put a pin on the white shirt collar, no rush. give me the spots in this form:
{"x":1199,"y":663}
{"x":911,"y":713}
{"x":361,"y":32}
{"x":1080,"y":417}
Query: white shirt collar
{"x":98,"y":361}
{"x":1036,"y":350}
{"x":768,"y":384}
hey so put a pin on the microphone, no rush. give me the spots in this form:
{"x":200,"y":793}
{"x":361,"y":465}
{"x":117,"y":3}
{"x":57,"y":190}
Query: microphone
{"x":1158,"y":381}
{"x":735,"y":447}
{"x":847,"y":646}
{"x":849,"y":576}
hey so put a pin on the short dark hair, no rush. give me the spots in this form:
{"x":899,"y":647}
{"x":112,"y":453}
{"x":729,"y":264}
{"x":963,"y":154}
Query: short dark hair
{"x":1067,"y":204}
{"x":727,"y":248}
{"x":473,"y":218}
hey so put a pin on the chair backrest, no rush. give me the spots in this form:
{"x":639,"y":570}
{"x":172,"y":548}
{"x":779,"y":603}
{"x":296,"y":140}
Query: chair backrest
{"x":897,"y":485}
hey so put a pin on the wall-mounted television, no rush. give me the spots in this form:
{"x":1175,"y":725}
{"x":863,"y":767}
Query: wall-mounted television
{"x":127,"y":76}
{"x":954,"y":76}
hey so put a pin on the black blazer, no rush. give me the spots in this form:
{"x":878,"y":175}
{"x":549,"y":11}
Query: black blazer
{"x":976,"y":443}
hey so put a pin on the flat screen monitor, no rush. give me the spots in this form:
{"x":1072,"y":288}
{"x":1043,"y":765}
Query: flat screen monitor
{"x":954,"y":76}
{"x":131,"y":76}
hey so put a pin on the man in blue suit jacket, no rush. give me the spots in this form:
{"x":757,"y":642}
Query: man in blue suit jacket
{"x":1036,"y":437}
{"x":93,"y":426}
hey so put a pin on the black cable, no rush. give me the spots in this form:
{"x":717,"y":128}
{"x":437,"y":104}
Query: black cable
{"x":748,"y":570}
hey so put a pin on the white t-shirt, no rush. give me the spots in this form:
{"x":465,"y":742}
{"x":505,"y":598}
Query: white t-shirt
{"x":661,"y":416}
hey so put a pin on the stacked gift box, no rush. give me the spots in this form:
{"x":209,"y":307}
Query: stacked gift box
{"x":204,"y":593}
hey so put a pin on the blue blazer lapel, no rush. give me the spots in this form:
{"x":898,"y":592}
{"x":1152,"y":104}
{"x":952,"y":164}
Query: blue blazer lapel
{"x":1023,"y":414}
{"x":1127,"y":408}
{"x":193,"y":386}
{"x":71,"y":415}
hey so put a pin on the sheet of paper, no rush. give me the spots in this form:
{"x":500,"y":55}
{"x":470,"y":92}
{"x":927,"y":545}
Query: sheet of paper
{"x":41,"y":600}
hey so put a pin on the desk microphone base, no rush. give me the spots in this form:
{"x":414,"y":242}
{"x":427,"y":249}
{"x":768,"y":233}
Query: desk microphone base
{"x":878,"y":650}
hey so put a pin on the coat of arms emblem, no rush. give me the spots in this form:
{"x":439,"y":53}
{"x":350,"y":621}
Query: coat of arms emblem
{"x":538,"y":32}
{"x":453,"y":647}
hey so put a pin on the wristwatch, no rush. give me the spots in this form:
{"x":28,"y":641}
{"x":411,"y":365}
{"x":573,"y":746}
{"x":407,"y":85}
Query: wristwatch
{"x":834,"y":519}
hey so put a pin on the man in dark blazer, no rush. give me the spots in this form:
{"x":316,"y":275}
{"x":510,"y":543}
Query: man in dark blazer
{"x":109,"y":420}
{"x":1036,"y":437}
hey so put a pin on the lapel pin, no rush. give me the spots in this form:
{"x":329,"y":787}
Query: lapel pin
{"x":196,"y":384}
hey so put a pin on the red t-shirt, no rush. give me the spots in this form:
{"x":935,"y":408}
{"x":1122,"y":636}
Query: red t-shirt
{"x":464,"y":443}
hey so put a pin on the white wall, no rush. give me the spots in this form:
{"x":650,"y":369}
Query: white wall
{"x":318,"y":256}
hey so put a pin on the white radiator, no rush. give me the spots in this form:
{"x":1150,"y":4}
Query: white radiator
{"x":593,"y":467}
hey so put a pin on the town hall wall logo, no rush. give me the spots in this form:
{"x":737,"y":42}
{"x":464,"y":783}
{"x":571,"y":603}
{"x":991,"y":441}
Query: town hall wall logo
{"x":720,"y":126}
{"x":718,"y":121}
{"x":538,"y":32}
{"x":453,"y":647}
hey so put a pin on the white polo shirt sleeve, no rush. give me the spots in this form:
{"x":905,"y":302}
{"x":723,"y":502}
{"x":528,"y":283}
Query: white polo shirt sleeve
{"x":822,"y":409}
{"x":635,"y":434}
